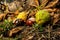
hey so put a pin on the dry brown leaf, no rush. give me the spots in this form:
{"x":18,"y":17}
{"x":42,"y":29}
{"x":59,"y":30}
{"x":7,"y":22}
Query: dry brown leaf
{"x":52,"y":3}
{"x":31,"y":14}
{"x":34,"y":3}
{"x":2,"y":16}
{"x":44,"y":2}
{"x":52,"y":14}
{"x":14,"y":30}
{"x":51,"y":10}
{"x":55,"y":21}
{"x":56,"y":18}
{"x":16,"y":13}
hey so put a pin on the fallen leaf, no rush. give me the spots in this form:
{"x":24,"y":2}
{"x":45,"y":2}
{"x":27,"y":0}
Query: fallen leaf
{"x":2,"y":16}
{"x":14,"y":30}
{"x":52,"y":3}
{"x":34,"y":3}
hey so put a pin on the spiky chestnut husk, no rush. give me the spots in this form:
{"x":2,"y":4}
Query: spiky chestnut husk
{"x":42,"y":16}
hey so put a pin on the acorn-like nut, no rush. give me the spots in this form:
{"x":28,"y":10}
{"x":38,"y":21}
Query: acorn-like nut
{"x":29,"y":22}
{"x":18,"y":22}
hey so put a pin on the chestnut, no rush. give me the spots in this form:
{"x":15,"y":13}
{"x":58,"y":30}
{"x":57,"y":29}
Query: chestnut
{"x":18,"y":22}
{"x":29,"y":22}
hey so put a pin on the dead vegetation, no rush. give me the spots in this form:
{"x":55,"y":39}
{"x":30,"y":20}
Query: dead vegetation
{"x":51,"y":29}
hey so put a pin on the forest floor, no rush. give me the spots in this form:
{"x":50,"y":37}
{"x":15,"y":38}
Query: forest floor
{"x":15,"y":31}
